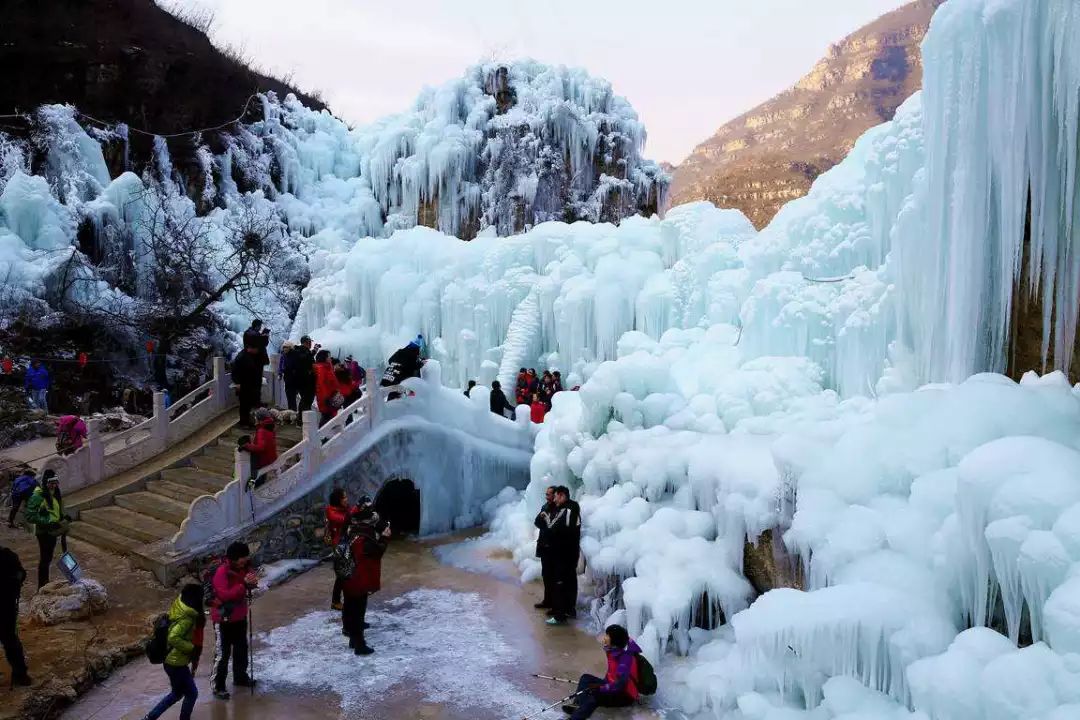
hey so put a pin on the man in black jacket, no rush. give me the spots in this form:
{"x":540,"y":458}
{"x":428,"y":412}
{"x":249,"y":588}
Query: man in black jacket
{"x":543,"y":546}
{"x":247,"y":372}
{"x":300,"y":374}
{"x":12,"y":576}
{"x":499,"y":403}
{"x":258,"y":337}
{"x":564,"y":529}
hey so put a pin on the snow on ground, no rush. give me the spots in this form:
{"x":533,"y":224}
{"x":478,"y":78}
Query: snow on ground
{"x":420,"y":639}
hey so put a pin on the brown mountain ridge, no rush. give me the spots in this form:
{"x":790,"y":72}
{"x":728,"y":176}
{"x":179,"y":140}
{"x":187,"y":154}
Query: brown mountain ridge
{"x":772,"y":154}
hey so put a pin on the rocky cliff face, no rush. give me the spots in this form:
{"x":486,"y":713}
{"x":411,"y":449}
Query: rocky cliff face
{"x":770,"y":155}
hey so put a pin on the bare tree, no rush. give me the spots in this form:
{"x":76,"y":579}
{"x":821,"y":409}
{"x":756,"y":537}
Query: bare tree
{"x":183,"y":265}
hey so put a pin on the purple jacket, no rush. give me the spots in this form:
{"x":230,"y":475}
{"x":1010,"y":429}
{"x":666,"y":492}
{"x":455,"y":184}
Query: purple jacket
{"x":621,"y":672}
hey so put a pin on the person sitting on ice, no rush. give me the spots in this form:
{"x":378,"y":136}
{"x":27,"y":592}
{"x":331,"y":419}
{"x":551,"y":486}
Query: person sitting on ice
{"x":619,"y":687}
{"x":498,"y":402}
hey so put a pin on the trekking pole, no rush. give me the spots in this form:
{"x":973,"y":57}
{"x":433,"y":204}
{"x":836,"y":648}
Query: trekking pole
{"x":556,"y":679}
{"x":251,"y":646}
{"x":553,"y":705}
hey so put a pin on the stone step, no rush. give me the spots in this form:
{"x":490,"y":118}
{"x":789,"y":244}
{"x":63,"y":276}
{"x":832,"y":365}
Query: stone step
{"x":130,"y":523}
{"x":220,"y":452}
{"x":199,"y":479}
{"x":177,"y":491}
{"x":158,"y":506}
{"x":104,"y":538}
{"x":213,"y":465}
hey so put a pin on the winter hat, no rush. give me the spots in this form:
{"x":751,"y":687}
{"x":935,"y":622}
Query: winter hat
{"x":364,"y":501}
{"x":49,"y":475}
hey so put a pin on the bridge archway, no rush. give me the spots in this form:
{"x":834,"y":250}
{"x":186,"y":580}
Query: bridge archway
{"x":398,"y":501}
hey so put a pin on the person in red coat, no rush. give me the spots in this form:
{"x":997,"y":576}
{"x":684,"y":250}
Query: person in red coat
{"x":263,"y":447}
{"x":327,"y":396}
{"x":338,"y":512}
{"x":367,"y":548}
{"x":538,"y":409}
{"x":231,"y":583}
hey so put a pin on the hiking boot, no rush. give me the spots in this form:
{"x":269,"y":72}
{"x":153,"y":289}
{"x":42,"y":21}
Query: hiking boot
{"x":244,"y":682}
{"x":335,"y":606}
{"x":222,"y":694}
{"x":363,"y":649}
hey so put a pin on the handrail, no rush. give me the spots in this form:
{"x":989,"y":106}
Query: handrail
{"x":125,"y":438}
{"x":189,"y":400}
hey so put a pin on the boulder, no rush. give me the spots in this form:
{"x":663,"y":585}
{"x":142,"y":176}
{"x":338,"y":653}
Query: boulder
{"x":61,"y":602}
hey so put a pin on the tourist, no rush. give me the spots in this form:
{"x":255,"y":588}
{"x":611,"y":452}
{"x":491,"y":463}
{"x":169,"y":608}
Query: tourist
{"x":404,"y":363}
{"x":21,"y":489}
{"x":263,"y":447}
{"x":285,"y":359}
{"x":367,"y":548}
{"x":337,"y":519}
{"x":257,"y":338}
{"x":37,"y":383}
{"x":247,"y":377}
{"x":348,"y":385}
{"x":498,"y":402}
{"x":556,"y":382}
{"x":521,"y":390}
{"x":186,"y":623}
{"x":327,"y":396}
{"x":70,"y":433}
{"x":12,"y":577}
{"x":45,"y":511}
{"x":619,"y":687}
{"x":300,"y":375}
{"x":564,"y":526}
{"x":537,"y":409}
{"x":469,"y":388}
{"x":543,"y":547}
{"x":233,"y":581}
{"x":358,"y":373}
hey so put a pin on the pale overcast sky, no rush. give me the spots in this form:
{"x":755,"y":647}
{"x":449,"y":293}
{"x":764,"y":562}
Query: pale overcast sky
{"x":687,"y":66}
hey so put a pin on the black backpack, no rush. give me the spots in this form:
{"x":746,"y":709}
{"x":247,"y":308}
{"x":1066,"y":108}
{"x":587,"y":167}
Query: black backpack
{"x":344,"y":562}
{"x":646,"y":683}
{"x":158,"y":646}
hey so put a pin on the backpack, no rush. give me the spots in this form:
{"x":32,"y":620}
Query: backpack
{"x":646,"y":683}
{"x":344,"y":562}
{"x":158,"y":646}
{"x":207,"y":579}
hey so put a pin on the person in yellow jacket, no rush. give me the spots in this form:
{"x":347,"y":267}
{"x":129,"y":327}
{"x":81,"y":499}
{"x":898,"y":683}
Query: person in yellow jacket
{"x":45,"y":511}
{"x":186,"y":622}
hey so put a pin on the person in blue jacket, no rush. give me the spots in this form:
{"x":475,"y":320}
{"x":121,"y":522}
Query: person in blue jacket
{"x":37,"y":384}
{"x":22,"y":487}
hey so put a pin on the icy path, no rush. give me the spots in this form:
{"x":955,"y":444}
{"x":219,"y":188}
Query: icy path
{"x":450,"y":644}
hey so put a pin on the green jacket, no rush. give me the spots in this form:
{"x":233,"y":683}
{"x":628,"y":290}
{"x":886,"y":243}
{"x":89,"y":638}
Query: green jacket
{"x":182,"y":622}
{"x":44,"y":517}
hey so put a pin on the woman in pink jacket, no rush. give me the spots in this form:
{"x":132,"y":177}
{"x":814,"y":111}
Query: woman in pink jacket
{"x":70,"y":434}
{"x":229,"y":610}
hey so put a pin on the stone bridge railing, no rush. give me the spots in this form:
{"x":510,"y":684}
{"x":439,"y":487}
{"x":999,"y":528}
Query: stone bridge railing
{"x":252,"y":498}
{"x":101,"y":458}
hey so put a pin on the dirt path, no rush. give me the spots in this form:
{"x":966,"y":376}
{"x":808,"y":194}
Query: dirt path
{"x":449,"y":644}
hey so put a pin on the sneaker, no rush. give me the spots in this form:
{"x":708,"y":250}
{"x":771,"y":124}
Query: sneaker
{"x":556,"y":621}
{"x":222,"y":694}
{"x":363,"y":649}
{"x":335,"y":606}
{"x":244,"y":682}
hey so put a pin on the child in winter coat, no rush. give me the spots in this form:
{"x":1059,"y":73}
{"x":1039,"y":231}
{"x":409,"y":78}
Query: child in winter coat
{"x":263,"y":447}
{"x":337,"y":520}
{"x":367,"y":549}
{"x":619,"y":686}
{"x":537,"y":409}
{"x":186,"y":623}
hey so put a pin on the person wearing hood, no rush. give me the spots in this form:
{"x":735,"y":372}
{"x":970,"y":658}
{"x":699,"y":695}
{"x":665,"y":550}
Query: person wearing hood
{"x":327,"y":395}
{"x":186,"y":623}
{"x":619,"y":686}
{"x":263,"y":447}
{"x":70,"y":434}
{"x":21,"y":489}
{"x":404,"y":363}
{"x":367,"y":548}
{"x":45,"y":511}
{"x":229,"y":610}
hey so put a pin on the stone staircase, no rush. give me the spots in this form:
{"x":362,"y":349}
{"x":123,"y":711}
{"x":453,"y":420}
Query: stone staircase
{"x":148,"y":506}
